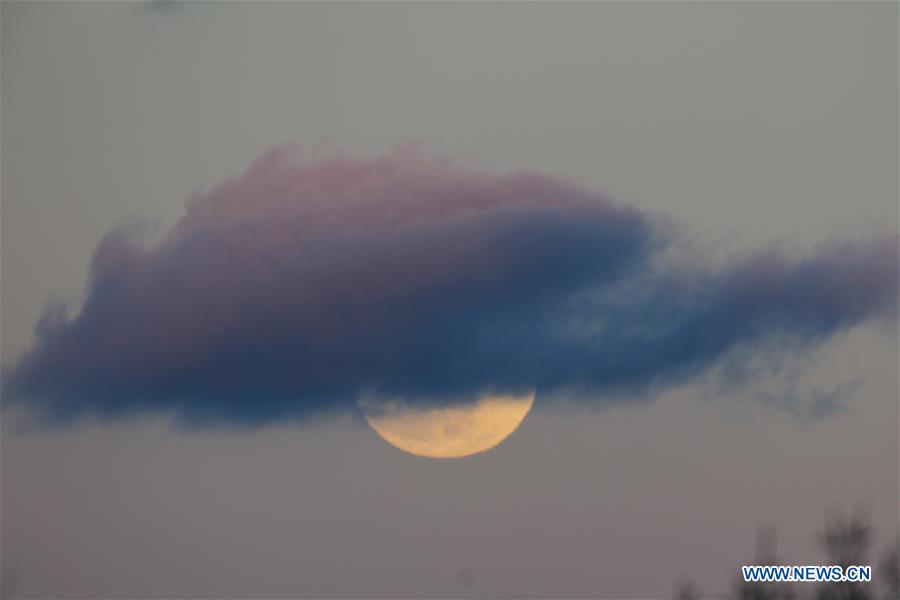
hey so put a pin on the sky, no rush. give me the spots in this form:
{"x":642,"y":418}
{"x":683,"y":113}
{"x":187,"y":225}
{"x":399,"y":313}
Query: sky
{"x":676,"y":221}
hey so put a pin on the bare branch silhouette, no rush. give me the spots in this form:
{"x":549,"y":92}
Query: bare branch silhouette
{"x":765,"y":555}
{"x":889,"y":571}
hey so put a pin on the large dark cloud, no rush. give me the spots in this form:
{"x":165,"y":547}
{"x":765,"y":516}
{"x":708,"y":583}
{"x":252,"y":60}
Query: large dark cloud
{"x":300,"y":286}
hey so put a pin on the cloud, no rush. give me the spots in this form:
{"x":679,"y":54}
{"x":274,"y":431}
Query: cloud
{"x":301,"y":285}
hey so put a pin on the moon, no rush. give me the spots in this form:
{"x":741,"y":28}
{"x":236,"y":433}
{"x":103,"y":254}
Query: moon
{"x":447,"y":432}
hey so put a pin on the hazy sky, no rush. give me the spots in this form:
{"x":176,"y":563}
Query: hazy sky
{"x":748,"y":124}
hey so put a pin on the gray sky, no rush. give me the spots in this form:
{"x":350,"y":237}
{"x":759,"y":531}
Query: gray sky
{"x":748,"y":123}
